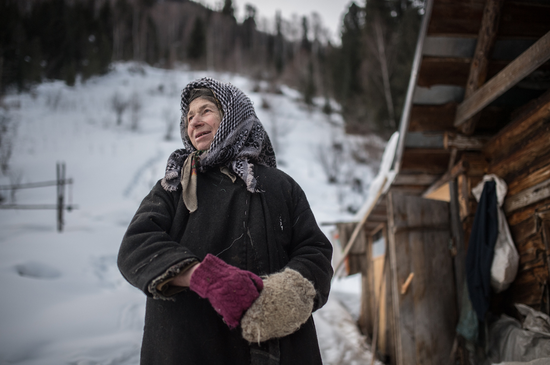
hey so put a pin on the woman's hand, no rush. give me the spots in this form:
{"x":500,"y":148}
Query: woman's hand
{"x":184,"y":278}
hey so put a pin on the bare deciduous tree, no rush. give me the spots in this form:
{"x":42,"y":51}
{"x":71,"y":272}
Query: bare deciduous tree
{"x":119,"y":105}
{"x":170,"y":121}
{"x":135,"y":109}
{"x":7,"y":133}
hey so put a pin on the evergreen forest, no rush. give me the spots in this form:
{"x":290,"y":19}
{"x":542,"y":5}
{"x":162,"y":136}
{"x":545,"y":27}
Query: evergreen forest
{"x":367,"y":72}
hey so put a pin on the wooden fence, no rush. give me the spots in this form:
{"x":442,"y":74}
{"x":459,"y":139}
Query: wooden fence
{"x":60,"y":205}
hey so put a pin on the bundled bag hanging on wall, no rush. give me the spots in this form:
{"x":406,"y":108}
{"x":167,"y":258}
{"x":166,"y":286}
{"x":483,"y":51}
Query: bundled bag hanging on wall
{"x":506,"y":258}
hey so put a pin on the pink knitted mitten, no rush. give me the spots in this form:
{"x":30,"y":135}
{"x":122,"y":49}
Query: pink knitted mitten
{"x":230,"y":290}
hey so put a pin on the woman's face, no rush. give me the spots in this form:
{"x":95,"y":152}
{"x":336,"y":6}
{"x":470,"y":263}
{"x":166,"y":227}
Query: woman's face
{"x":203,"y":121}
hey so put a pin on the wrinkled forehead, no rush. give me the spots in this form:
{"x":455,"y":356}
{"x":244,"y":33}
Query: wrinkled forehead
{"x":201,"y":103}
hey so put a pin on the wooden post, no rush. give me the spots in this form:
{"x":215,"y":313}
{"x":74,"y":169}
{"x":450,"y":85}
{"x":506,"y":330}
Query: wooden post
{"x":60,"y":194}
{"x":518,"y":69}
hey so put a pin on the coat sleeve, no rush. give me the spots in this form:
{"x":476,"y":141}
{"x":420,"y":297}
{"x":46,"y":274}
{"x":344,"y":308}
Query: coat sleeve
{"x":310,"y":251}
{"x":148,"y":255}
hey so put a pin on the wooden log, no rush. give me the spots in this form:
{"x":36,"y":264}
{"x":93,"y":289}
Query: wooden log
{"x":416,"y":179}
{"x":544,"y":218}
{"x":527,"y":288}
{"x":532,"y":253}
{"x":523,"y":214}
{"x":461,"y":142}
{"x":523,"y":230}
{"x":529,"y":118}
{"x":531,"y":175}
{"x":527,"y":197}
{"x":523,"y":154}
{"x":522,"y":66}
{"x":425,"y":160}
{"x":479,"y":66}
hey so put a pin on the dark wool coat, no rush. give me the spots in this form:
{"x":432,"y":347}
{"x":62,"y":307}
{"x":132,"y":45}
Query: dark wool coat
{"x":261,"y":232}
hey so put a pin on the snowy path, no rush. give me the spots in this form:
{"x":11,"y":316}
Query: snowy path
{"x":64,"y":301}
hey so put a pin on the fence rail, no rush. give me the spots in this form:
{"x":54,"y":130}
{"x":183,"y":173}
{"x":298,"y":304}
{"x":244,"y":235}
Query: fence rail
{"x":36,"y":184}
{"x":60,"y":182}
{"x":37,"y":206}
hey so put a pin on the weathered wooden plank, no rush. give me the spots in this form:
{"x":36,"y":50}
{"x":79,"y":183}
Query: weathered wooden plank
{"x":432,"y":118}
{"x":527,"y":289}
{"x":461,"y":142}
{"x":403,"y":306}
{"x":458,"y":242}
{"x":415,"y":190}
{"x":440,"y":118}
{"x":426,"y":313}
{"x":544,"y":218}
{"x":523,"y":154}
{"x":527,"y":197}
{"x":443,"y":71}
{"x":415,"y":179}
{"x":463,"y":18}
{"x":478,"y":68}
{"x":531,"y":175}
{"x":431,"y":161}
{"x":451,"y":70}
{"x":531,"y":117}
{"x":522,"y":66}
{"x":523,"y":214}
{"x":523,"y":230}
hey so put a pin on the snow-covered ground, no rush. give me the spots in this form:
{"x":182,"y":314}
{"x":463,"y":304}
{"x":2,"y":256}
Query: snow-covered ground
{"x":63,"y":300}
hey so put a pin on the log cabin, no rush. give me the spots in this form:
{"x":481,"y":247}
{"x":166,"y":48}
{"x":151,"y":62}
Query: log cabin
{"x":478,"y":103}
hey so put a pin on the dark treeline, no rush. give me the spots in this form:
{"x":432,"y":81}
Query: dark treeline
{"x":367,"y":73}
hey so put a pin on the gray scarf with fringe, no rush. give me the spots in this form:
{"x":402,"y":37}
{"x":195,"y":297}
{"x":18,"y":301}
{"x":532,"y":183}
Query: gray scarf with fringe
{"x":240,"y":141}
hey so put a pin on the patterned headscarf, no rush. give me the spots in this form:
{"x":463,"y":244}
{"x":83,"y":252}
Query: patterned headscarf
{"x":240,"y":141}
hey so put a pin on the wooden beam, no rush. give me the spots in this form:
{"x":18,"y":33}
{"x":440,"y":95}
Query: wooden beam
{"x":522,"y":66}
{"x":530,"y":117}
{"x":459,"y":168}
{"x":461,"y":142}
{"x":479,"y":66}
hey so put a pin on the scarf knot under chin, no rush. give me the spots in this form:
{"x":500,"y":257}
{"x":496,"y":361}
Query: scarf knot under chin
{"x":240,"y":142}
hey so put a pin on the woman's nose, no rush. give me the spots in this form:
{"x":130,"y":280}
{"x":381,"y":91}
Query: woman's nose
{"x":196,"y":121}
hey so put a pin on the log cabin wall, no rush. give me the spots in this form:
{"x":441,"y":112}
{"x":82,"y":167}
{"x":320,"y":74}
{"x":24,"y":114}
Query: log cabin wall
{"x":520,"y":154}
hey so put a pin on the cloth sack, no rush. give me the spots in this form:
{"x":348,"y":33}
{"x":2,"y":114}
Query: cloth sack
{"x":506,"y":258}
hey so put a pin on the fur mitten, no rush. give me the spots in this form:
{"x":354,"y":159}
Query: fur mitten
{"x":229,"y":289}
{"x":285,"y":303}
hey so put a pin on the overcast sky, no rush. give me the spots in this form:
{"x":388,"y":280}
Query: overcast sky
{"x":331,"y":11}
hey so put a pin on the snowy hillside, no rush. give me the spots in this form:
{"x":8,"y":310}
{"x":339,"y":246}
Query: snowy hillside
{"x":64,"y":301}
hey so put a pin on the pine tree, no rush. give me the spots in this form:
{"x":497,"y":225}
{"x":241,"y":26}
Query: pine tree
{"x":228,"y":9}
{"x":197,"y":44}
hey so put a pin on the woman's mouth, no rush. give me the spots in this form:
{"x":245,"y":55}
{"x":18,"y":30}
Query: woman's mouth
{"x":201,"y":134}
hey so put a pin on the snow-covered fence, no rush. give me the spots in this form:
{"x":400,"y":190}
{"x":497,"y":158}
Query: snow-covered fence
{"x":60,"y":206}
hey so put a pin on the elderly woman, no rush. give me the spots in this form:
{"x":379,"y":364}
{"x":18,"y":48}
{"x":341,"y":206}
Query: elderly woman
{"x":225,"y":246}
